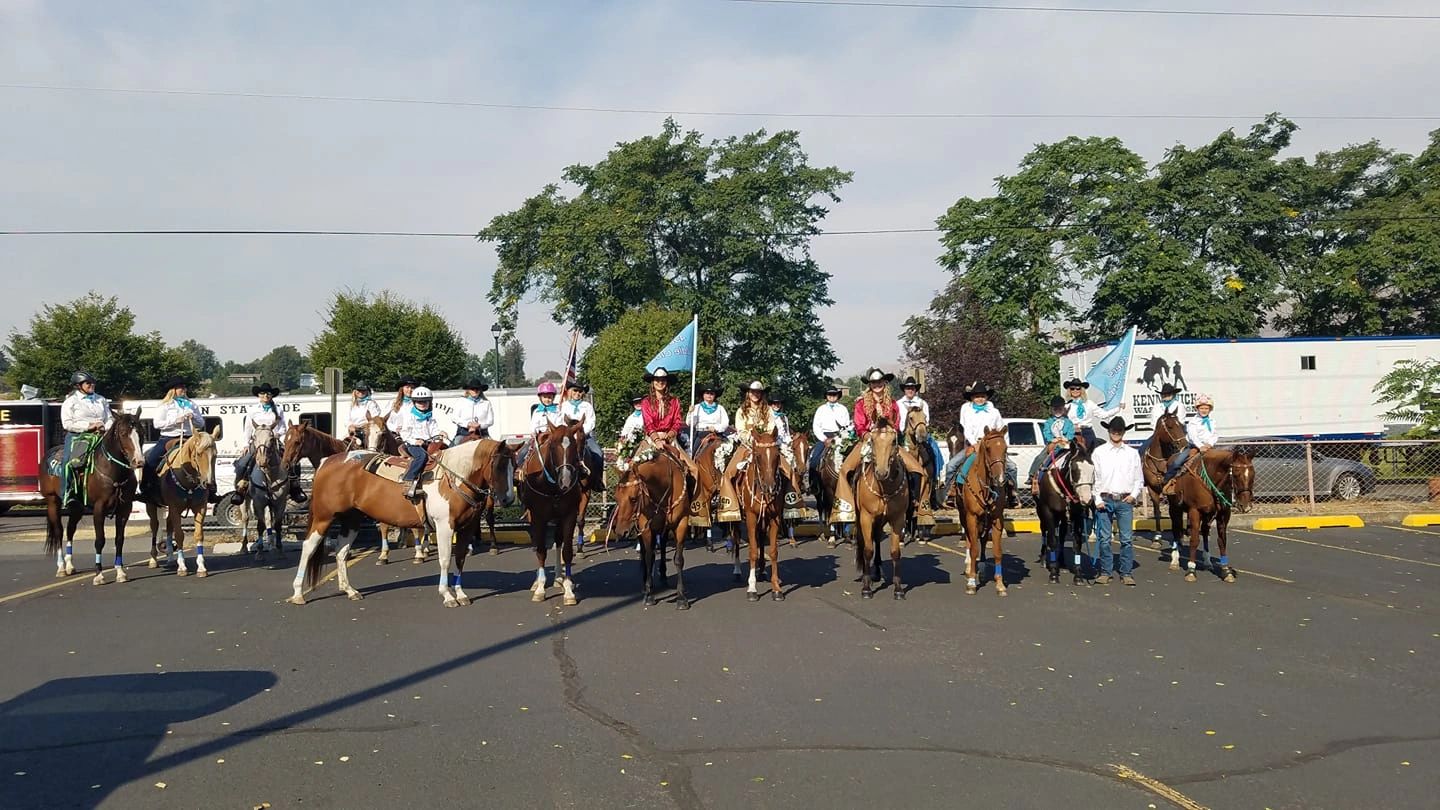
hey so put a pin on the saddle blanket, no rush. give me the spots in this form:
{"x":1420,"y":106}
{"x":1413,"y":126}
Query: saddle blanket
{"x":390,"y":468}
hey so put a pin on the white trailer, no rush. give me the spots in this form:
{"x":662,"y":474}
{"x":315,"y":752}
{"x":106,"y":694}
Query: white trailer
{"x":1317,"y":388}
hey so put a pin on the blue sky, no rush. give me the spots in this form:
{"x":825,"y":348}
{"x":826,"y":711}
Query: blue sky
{"x":81,"y":160}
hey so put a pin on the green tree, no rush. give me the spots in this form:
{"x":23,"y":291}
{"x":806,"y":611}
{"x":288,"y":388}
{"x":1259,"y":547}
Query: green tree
{"x":614,"y":362}
{"x":96,"y":334}
{"x":206,"y":364}
{"x":721,"y":230}
{"x":282,"y":367}
{"x":1411,"y":393}
{"x":383,"y":337}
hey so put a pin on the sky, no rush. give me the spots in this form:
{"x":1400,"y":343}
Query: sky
{"x":85,"y":160}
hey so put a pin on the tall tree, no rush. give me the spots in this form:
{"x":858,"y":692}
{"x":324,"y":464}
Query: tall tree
{"x":206,"y":364}
{"x":615,"y":361}
{"x":282,"y":367}
{"x":93,"y":333}
{"x":718,"y":229}
{"x":383,"y":337}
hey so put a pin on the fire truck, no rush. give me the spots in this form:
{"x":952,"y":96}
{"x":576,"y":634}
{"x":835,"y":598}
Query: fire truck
{"x":28,"y":429}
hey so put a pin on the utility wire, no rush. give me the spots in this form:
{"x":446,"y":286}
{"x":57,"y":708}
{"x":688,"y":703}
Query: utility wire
{"x":1322,"y":15}
{"x":489,"y":105}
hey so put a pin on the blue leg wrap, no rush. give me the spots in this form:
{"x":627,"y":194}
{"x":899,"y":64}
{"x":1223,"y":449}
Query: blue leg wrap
{"x":199,"y":550}
{"x":97,"y":560}
{"x":118,"y":562}
{"x":1224,"y":559}
{"x":455,"y":579}
{"x":1054,"y":555}
{"x":567,"y":570}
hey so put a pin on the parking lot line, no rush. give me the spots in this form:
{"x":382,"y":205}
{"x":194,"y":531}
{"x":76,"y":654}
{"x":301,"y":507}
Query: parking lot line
{"x":43,"y":588}
{"x":1281,"y":537}
{"x":1412,"y":531}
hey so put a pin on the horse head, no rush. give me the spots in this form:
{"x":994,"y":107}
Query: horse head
{"x":295,"y":441}
{"x":558,"y":453}
{"x":765,"y":462}
{"x":502,"y":473}
{"x":1170,"y":432}
{"x":885,"y":451}
{"x":991,"y":451}
{"x":122,"y":440}
{"x":197,"y":455}
{"x":263,"y":440}
{"x":916,"y":428}
{"x":375,"y":431}
{"x":629,"y":514}
{"x":1242,"y":476}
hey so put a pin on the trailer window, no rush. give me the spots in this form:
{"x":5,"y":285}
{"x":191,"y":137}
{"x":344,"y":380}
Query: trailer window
{"x":1022,"y":433}
{"x":1307,"y":362}
{"x":321,"y":421}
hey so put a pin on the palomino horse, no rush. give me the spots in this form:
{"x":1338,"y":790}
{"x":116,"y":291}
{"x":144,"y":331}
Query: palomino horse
{"x":269,"y":495}
{"x":108,"y":489}
{"x":920,"y":514}
{"x":762,"y":507}
{"x":1064,"y":505}
{"x":452,"y":494}
{"x":185,"y":480}
{"x":1167,"y":440}
{"x":1222,"y":480}
{"x":981,"y":504}
{"x":882,"y":494}
{"x":552,"y":493}
{"x":652,"y":501}
{"x":823,"y":480}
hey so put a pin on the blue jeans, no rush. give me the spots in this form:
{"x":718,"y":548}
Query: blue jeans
{"x":1176,"y":462}
{"x":817,"y":455}
{"x":1124,"y":514}
{"x":244,"y":465}
{"x":418,"y":457}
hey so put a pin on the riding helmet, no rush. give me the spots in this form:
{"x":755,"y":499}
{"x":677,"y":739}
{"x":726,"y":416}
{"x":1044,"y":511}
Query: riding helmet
{"x":81,"y":377}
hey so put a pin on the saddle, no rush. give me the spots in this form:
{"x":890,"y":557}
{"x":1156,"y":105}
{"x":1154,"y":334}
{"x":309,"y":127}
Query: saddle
{"x":172,"y":449}
{"x":1188,"y":468}
{"x":391,"y":468}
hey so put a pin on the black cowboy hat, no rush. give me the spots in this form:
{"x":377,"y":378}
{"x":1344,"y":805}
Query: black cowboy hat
{"x":177,"y":382}
{"x":711,"y":389}
{"x":578,"y":386}
{"x":977,"y":388}
{"x":1116,"y":424}
{"x":754,"y":385}
{"x":475,"y":385}
{"x":833,"y":390}
{"x":638,"y":398}
{"x":361,"y":386}
{"x":1076,"y":382}
{"x":876,"y":375}
{"x":660,"y":373}
{"x":1169,"y":390}
{"x":264,"y":388}
{"x":1057,"y":402}
{"x":776,"y":399}
{"x":910,"y":382}
{"x":406,"y":380}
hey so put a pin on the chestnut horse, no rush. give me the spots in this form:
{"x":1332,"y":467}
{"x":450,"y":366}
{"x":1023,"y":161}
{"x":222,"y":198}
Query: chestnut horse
{"x":981,"y":503}
{"x":823,"y":480}
{"x":184,"y":485}
{"x":652,"y":501}
{"x":1167,"y":440}
{"x":1224,"y":479}
{"x":552,"y":492}
{"x":920,"y":514}
{"x":108,"y":489}
{"x":451,"y":500}
{"x":882,"y":494}
{"x":762,"y":507}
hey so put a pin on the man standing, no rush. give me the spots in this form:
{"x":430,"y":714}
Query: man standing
{"x":1118,"y":481}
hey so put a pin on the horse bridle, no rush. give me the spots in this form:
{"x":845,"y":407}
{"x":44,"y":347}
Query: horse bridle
{"x":762,"y":495}
{"x":647,"y":506}
{"x":895,"y":474}
{"x":552,"y":478}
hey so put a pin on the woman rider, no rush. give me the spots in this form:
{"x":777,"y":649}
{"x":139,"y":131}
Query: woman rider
{"x":754,"y":418}
{"x":266,"y":414}
{"x":362,"y":410}
{"x":871,"y":408}
{"x":84,"y":415}
{"x":179,"y":418}
{"x":474,"y":416}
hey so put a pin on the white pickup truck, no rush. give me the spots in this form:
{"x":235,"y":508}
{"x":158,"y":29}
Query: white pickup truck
{"x":1025,"y":444}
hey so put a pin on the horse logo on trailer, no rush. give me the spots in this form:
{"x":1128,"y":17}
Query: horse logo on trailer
{"x":1155,"y":374}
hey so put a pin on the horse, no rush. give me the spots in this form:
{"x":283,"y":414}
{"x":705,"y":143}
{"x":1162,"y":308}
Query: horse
{"x":762,"y":507}
{"x":490,"y":500}
{"x":919,"y":515}
{"x":185,"y":480}
{"x":109,"y":488}
{"x":1167,"y":440}
{"x":652,"y":501}
{"x":380,"y":439}
{"x":882,"y":494}
{"x":269,"y":495}
{"x":552,"y":491}
{"x":1064,"y":505}
{"x":1220,"y":481}
{"x":452,"y":491}
{"x":981,"y":504}
{"x":823,"y":480}
{"x":707,"y":484}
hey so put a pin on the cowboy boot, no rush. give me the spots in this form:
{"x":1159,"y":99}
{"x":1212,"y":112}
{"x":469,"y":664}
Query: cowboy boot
{"x":729,"y":509}
{"x":413,"y":493}
{"x":844,"y":511}
{"x":242,"y":488}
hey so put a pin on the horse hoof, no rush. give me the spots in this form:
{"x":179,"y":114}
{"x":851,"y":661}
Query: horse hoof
{"x":202,"y":573}
{"x":1189,"y":576}
{"x":60,"y":573}
{"x":450,"y":602}
{"x":650,"y":601}
{"x":69,"y":569}
{"x":899,"y":594}
{"x":1076,"y":580}
{"x":970,"y":590}
{"x":181,"y":572}
{"x":1055,"y":577}
{"x":98,"y":580}
{"x":1156,"y":544}
{"x":777,"y":596}
{"x":355,"y":596}
{"x":418,"y":561}
{"x":752,"y":597}
{"x":682,"y":604}
{"x":120,"y":576}
{"x":1229,"y":574}
{"x":1175,"y":565}
{"x":463,"y":600}
{"x":537,"y":596}
{"x":296,"y":600}
{"x":383,"y":558}
{"x":495,"y":552}
{"x":153,"y":563}
{"x":866,"y":595}
{"x":570,"y":601}
{"x":1000,"y":590}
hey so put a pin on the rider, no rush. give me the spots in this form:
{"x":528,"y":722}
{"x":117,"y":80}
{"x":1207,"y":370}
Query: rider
{"x":362,"y":410}
{"x":1083,"y":414}
{"x":401,"y":405}
{"x":474,"y":416}
{"x":544,"y":415}
{"x":267,"y":415}
{"x":635,"y":422}
{"x":871,"y":406}
{"x":419,"y":427}
{"x":754,"y":418}
{"x":1058,"y":432}
{"x":84,"y":416}
{"x":912,"y":399}
{"x":578,"y":409}
{"x":179,"y":418}
{"x":1170,"y":403}
{"x":708,"y":418}
{"x":830,"y":421}
{"x":777,"y":407}
{"x":976,"y":417}
{"x":1200,"y":435}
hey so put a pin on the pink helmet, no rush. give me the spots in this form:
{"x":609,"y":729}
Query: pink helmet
{"x":546,"y":387}
{"x":1204,"y":399}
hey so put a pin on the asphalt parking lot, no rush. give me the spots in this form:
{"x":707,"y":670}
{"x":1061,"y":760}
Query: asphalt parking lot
{"x":1310,"y":682}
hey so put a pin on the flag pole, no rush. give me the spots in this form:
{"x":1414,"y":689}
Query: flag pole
{"x":694,"y":373}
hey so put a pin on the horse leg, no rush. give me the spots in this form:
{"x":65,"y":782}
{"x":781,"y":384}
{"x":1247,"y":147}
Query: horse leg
{"x":734,"y":545}
{"x":1222,"y":525}
{"x":751,"y":592}
{"x":277,"y":517}
{"x":565,"y":532}
{"x":319,"y":525}
{"x":153,"y":512}
{"x":175,"y":536}
{"x":348,"y":532}
{"x":98,"y":516}
{"x":490,"y":522}
{"x":681,"y":530}
{"x":662,"y":574}
{"x":647,"y":566}
{"x":777,"y":592}
{"x":445,"y":548}
{"x":384,"y":544}
{"x":200,"y":540}
{"x":122,"y":517}
{"x":863,"y":550}
{"x":972,"y":551}
{"x":71,"y":524}
{"x":460,"y":552}
{"x":537,"y":539}
{"x":422,"y":544}
{"x":997,"y":532}
{"x":1194,"y":530}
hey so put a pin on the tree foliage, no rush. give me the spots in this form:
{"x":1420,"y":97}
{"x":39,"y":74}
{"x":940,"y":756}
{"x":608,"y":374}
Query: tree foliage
{"x":383,"y":337}
{"x":1411,"y":393}
{"x":282,"y":367}
{"x":93,"y":333}
{"x":207,"y":365}
{"x":512,"y":365}
{"x":718,"y":229}
{"x":618,"y":355}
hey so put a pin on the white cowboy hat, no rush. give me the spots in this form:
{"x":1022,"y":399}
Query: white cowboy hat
{"x":876,"y":375}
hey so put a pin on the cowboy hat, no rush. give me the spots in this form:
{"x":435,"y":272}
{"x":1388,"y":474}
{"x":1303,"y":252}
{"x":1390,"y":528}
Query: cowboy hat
{"x":577,"y":386}
{"x":1057,"y":402}
{"x":910,"y":383}
{"x":876,"y":375}
{"x":977,"y":388}
{"x":361,"y":386}
{"x":177,"y":382}
{"x":264,"y":388}
{"x":755,"y":385}
{"x":832,"y":390}
{"x":776,"y":399}
{"x":1076,"y":382}
{"x":711,"y":389}
{"x":658,"y":374}
{"x":1169,"y":390}
{"x":1116,"y":424}
{"x":476,"y":385}
{"x":637,"y":399}
{"x":404,"y":381}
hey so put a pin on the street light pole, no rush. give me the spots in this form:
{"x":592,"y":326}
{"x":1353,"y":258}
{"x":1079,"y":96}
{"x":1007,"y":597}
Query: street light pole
{"x":495,"y":330}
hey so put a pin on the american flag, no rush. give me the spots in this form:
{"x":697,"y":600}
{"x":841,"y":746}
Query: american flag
{"x":571,"y":365}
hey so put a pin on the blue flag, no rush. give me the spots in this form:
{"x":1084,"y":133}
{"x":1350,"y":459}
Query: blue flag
{"x":1108,"y":375}
{"x":679,"y":354}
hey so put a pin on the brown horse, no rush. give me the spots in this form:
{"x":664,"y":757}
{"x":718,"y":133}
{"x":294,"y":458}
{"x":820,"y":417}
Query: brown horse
{"x":823,"y":480}
{"x":108,"y":489}
{"x":795,"y":498}
{"x":652,"y":501}
{"x":185,"y":481}
{"x":380,"y":439}
{"x":553,"y":493}
{"x":981,"y":503}
{"x":457,"y":480}
{"x":920,"y":514}
{"x":762,"y":507}
{"x":1224,"y":479}
{"x":1167,"y":440}
{"x":882,"y":494}
{"x":703,"y":514}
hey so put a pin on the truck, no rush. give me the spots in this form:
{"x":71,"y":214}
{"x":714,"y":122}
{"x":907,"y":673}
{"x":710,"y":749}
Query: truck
{"x":28,"y":429}
{"x":1287,"y":388}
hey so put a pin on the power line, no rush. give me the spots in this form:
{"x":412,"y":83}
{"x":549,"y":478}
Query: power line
{"x":490,"y":105}
{"x":1323,"y":15}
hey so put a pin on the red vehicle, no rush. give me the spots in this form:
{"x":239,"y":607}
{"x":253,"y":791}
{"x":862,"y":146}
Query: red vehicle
{"x":27,"y":431}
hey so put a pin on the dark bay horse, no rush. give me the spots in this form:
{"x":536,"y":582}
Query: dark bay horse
{"x":552,"y":491}
{"x":652,"y":502}
{"x":184,"y":484}
{"x":981,"y":504}
{"x":1225,"y":480}
{"x":882,"y":494}
{"x":762,"y":506}
{"x":452,"y":496}
{"x":108,"y":488}
{"x":1064,"y":506}
{"x":823,"y":480}
{"x":1166,"y":441}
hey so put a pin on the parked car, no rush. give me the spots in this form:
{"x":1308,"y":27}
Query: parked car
{"x":1280,"y":471}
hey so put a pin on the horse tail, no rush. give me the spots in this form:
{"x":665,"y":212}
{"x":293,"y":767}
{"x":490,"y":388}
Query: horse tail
{"x":314,"y":566}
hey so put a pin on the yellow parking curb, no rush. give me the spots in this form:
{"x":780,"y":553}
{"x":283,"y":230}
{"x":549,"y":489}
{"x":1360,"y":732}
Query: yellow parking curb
{"x":1148,"y":524}
{"x":1428,"y":519}
{"x":1022,"y":526}
{"x":1310,"y":522}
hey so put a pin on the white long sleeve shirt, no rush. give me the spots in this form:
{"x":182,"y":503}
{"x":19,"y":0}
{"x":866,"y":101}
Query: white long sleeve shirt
{"x":634,"y":424}
{"x":259,"y":417}
{"x":171,"y":421}
{"x":1084,"y":413}
{"x":908,"y":403}
{"x":1175,"y":406}
{"x":478,"y":411}
{"x":1200,"y":431}
{"x":717,"y":420}
{"x":976,"y":422}
{"x":394,"y":418}
{"x":362,"y":412}
{"x":79,"y":410}
{"x":1117,"y":470}
{"x":544,"y":419}
{"x":421,"y":431}
{"x":831,"y":417}
{"x":579,"y":410}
